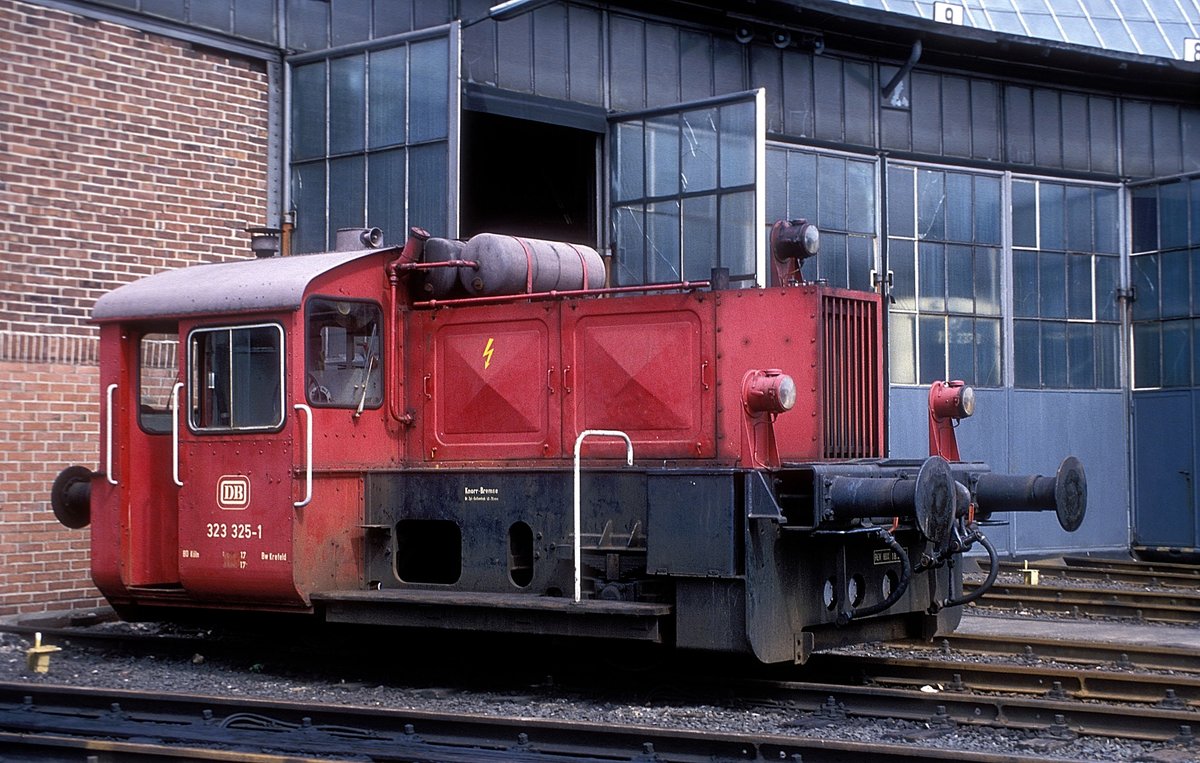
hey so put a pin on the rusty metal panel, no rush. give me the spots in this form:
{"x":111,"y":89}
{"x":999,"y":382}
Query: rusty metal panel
{"x":693,"y":525}
{"x":643,"y":366}
{"x":772,"y":328}
{"x":488,"y":383}
{"x":236,"y":515}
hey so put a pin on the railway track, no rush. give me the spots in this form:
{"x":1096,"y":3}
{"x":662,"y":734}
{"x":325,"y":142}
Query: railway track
{"x":135,"y":725}
{"x":1087,"y":569}
{"x":963,"y":676}
{"x":1043,"y":716}
{"x":1089,"y":653}
{"x":1126,"y":656}
{"x":933,"y":692}
{"x":1133,"y":565}
{"x":1154,"y":606}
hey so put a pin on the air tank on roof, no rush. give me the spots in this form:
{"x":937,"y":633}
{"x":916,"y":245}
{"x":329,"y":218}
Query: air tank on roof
{"x":513,"y":265}
{"x":438,"y":283}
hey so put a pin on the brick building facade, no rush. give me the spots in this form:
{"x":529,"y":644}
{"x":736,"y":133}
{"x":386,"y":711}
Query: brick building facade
{"x":121,"y":153}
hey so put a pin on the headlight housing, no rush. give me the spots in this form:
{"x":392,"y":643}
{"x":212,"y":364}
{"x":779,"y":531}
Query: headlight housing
{"x":768,"y":391}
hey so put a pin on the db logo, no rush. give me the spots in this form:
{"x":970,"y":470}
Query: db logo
{"x":233,"y":492}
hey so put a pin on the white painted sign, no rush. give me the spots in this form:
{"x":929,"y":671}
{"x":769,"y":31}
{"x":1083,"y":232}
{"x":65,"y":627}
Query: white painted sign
{"x":1191,"y":49}
{"x":948,"y":13}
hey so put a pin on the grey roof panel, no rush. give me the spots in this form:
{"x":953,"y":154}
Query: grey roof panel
{"x":1144,"y":27}
{"x":245,"y":286}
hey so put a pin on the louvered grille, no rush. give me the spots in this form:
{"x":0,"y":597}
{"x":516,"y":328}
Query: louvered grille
{"x":852,"y":377}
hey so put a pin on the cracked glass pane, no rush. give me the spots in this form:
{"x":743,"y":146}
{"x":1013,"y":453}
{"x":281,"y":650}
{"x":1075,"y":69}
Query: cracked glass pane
{"x":662,"y":241}
{"x":662,"y":156}
{"x":931,"y":204}
{"x":698,"y":166}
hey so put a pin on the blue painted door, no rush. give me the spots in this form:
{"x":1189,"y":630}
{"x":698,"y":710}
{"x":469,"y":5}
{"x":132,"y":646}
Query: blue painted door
{"x":1164,"y":495}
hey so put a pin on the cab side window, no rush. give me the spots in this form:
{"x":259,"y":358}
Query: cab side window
{"x":158,"y":370}
{"x":344,"y":366}
{"x":236,"y":378}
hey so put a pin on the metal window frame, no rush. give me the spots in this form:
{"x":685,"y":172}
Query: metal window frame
{"x":1122,"y":277}
{"x":1005,"y":272}
{"x":873,"y":158}
{"x":191,"y":369}
{"x":1127,"y":209}
{"x":452,"y":33}
{"x":757,"y":97}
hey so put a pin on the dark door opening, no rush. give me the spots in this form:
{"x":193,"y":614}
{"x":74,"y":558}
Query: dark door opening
{"x":528,"y":179}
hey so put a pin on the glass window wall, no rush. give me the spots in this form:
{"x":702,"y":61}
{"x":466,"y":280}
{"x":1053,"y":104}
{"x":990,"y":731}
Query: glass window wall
{"x":944,"y":251}
{"x":947,"y":254}
{"x":1066,"y":269}
{"x":370,"y":142}
{"x":836,"y":192}
{"x":1165,"y":274}
{"x":684,"y":193}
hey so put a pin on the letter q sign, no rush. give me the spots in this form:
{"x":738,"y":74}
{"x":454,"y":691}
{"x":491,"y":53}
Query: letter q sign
{"x":948,"y":13}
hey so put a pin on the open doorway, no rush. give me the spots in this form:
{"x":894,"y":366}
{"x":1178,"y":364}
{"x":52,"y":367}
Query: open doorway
{"x":527,"y":178}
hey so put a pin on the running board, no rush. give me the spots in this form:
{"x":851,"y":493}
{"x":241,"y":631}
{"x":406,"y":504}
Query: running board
{"x":158,"y":591}
{"x":496,"y":613}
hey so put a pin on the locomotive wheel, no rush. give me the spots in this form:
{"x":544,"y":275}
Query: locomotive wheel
{"x":71,"y":497}
{"x":936,"y":500}
{"x":1070,"y":494}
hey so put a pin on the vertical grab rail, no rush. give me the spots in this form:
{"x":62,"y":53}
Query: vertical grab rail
{"x":628,"y":461}
{"x":108,"y":436}
{"x":175,"y":434}
{"x":308,"y":459}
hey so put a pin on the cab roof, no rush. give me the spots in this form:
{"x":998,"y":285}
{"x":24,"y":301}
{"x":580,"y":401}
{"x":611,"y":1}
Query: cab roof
{"x":246,"y":286}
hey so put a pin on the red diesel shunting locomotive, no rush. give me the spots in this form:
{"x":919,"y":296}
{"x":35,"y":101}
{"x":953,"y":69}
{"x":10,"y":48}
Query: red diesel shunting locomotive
{"x":395,"y":435}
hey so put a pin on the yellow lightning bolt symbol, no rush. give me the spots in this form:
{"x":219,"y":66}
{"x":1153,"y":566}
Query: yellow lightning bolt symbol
{"x":487,"y":353}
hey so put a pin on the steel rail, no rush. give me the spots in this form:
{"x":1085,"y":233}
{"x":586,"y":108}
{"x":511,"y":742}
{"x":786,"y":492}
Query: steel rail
{"x":1036,"y":714}
{"x":1104,"y":574}
{"x":1167,"y":607}
{"x":51,"y":747}
{"x":1133,"y":564}
{"x":110,"y":718}
{"x":1123,"y":656}
{"x":1168,"y":690}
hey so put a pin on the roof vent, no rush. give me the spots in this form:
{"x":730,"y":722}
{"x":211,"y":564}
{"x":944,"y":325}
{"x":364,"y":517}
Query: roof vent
{"x":264,"y":242}
{"x":351,"y":239}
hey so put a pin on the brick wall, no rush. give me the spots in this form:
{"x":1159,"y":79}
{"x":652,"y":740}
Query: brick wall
{"x":121,"y":154}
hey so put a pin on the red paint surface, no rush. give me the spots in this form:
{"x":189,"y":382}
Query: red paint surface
{"x":491,"y":386}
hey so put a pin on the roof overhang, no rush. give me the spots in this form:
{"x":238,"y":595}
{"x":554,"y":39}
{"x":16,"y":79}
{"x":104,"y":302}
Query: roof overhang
{"x":275,"y":284}
{"x":870,"y":32}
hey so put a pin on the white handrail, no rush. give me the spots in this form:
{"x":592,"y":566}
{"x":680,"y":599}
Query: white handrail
{"x":108,"y":436}
{"x":308,"y":461}
{"x":175,"y":434}
{"x":628,"y":460}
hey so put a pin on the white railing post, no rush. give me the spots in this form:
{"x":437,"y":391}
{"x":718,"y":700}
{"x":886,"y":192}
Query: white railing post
{"x":108,"y":436}
{"x":175,"y":434}
{"x":578,"y":444}
{"x":308,"y":459}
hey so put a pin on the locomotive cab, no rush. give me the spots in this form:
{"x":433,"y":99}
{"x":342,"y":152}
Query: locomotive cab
{"x":215,"y":380}
{"x":482,"y":436}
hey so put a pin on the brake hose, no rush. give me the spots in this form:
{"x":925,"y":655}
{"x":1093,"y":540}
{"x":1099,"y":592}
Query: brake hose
{"x":993,"y":570}
{"x":901,"y":585}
